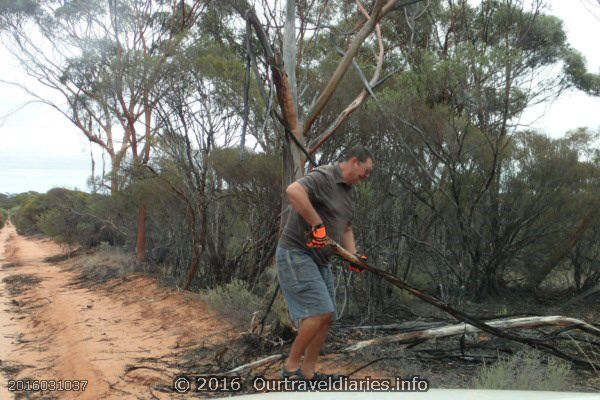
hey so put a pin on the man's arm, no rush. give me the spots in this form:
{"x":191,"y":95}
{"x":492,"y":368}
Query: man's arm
{"x":299,"y":199}
{"x":348,"y":241}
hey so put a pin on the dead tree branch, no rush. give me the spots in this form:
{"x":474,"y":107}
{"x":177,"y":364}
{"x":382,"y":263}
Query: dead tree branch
{"x":459,"y":329}
{"x":254,"y":364}
{"x":538,"y":344}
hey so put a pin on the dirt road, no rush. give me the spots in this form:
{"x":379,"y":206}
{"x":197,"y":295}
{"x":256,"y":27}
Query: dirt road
{"x":119,"y":337}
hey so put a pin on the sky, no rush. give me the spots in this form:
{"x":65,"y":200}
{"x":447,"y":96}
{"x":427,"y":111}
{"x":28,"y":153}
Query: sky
{"x":40,"y":149}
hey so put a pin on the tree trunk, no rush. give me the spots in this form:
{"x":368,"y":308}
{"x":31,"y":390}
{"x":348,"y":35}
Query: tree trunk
{"x":293,"y":160}
{"x":561,"y":252}
{"x":293,"y":169}
{"x":115,"y":165}
{"x":197,"y":247}
{"x":141,"y":232}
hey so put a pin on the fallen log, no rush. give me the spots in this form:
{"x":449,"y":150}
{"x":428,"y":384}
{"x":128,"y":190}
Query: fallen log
{"x":536,"y":343}
{"x":403,"y":326}
{"x":459,"y":329}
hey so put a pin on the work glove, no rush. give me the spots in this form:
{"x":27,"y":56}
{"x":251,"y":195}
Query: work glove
{"x":357,"y":268}
{"x":318,"y":237}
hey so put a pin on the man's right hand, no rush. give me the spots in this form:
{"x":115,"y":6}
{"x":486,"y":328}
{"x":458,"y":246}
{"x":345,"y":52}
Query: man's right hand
{"x":318,"y":237}
{"x":357,"y":268}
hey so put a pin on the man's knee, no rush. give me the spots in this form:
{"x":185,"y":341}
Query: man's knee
{"x":326,"y":319}
{"x":322,"y":319}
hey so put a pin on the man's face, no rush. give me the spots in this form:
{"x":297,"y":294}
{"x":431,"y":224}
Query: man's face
{"x":360,"y":170}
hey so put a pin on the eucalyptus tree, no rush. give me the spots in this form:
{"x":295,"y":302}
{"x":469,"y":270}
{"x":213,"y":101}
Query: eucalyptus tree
{"x":228,"y":201}
{"x":553,"y":185}
{"x":301,"y":52}
{"x":446,"y":127}
{"x":194,"y":117}
{"x":579,"y":76}
{"x":106,"y":59}
{"x":516,"y":63}
{"x":71,"y":59}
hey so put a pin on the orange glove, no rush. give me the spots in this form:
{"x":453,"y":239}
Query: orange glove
{"x":318,"y":237}
{"x":357,"y":268}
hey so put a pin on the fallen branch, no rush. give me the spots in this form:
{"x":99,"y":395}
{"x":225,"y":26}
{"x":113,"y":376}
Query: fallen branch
{"x":459,"y":329}
{"x":404,"y":326}
{"x":130,"y":368}
{"x":375,"y":361}
{"x":538,"y":344}
{"x":254,"y":364}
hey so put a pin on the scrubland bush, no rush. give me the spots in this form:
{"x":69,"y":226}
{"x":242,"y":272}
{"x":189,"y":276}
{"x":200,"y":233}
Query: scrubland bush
{"x":28,"y":214}
{"x":106,"y":263}
{"x":220,"y":212}
{"x":234,"y":299}
{"x":3,"y":217}
{"x":66,"y":216}
{"x":527,"y":370}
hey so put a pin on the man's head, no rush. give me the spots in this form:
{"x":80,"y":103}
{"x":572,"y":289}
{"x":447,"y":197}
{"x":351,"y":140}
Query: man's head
{"x":357,"y":164}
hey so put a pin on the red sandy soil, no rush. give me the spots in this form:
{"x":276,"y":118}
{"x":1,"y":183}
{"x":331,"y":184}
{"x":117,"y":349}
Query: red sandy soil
{"x":74,"y":333}
{"x":58,"y":330}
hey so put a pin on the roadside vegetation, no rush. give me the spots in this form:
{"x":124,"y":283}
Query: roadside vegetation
{"x":526,"y":370}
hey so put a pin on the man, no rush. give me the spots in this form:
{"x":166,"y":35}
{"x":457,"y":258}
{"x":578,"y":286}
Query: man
{"x":322,"y":204}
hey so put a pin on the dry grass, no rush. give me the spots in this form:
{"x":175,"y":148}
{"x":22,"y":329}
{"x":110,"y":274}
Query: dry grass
{"x":105,"y":264}
{"x":17,"y":284}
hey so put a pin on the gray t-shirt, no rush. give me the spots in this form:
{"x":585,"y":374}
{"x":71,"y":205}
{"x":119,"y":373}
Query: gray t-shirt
{"x":334,"y":201}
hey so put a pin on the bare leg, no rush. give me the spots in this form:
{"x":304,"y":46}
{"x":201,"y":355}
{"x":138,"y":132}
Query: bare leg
{"x":309,"y":328}
{"x":311,"y":355}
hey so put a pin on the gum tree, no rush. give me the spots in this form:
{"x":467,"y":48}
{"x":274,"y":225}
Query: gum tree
{"x":106,"y":59}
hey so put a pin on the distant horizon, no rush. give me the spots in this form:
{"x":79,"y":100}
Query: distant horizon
{"x":49,"y":173}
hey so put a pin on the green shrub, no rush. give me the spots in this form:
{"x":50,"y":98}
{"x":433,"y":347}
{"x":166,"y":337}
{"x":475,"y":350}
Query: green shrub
{"x":248,"y":170}
{"x":67,"y":216}
{"x":279,"y":317}
{"x":52,"y":223}
{"x":527,"y":370}
{"x":235,"y":300}
{"x":27,"y":215}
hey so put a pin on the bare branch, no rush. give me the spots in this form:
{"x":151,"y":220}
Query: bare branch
{"x":459,"y":329}
{"x":362,"y":97}
{"x":538,"y":344}
{"x":344,"y":64}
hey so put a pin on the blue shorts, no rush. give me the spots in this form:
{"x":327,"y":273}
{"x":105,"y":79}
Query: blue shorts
{"x":308,"y":288}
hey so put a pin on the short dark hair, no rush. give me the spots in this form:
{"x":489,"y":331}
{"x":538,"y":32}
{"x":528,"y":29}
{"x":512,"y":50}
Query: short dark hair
{"x":359,"y":151}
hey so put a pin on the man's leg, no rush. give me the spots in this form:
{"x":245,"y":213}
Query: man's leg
{"x":311,"y":330}
{"x":311,"y":354}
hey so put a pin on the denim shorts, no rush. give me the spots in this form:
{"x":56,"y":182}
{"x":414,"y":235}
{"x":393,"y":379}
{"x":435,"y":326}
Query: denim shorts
{"x":308,"y":288}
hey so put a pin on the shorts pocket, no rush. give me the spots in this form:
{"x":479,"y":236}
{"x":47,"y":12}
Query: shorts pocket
{"x":303,"y":267}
